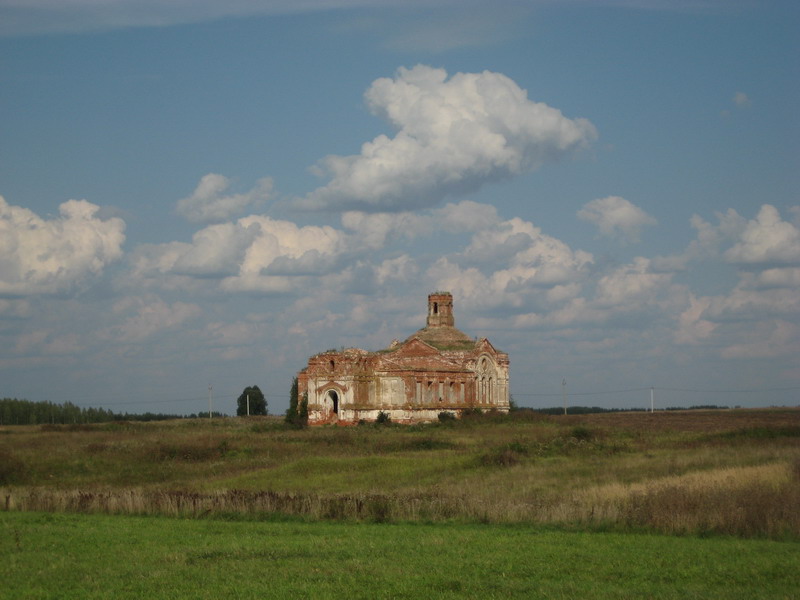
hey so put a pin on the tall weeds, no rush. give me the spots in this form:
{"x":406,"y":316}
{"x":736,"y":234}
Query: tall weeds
{"x":586,"y":472}
{"x":750,"y":502}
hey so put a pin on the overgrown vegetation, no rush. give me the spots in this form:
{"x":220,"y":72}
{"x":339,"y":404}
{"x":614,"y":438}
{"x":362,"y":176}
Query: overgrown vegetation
{"x":699,"y":472}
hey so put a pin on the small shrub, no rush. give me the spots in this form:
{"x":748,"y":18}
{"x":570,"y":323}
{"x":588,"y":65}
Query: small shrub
{"x":12,"y":469}
{"x":471,"y":415}
{"x":97,"y":448}
{"x":518,"y":447}
{"x":500,"y":458}
{"x":383,"y":418}
{"x":81,"y":427}
{"x":505,"y":456}
{"x":582,"y":433}
{"x":446,"y":417}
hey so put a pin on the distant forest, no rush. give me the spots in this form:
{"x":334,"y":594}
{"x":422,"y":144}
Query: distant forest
{"x":25,"y":412}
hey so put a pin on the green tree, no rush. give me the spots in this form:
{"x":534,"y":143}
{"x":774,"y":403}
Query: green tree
{"x":291,"y":412}
{"x":297,"y":413}
{"x":302,"y":411}
{"x":258,"y":403}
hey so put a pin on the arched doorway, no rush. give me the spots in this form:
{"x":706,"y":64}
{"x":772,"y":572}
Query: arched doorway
{"x":332,"y":401}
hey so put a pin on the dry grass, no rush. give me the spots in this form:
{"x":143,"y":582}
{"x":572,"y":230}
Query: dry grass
{"x":748,"y":501}
{"x":729,"y":472}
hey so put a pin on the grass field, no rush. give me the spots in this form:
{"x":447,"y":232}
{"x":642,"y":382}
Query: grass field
{"x":731,"y":472}
{"x":695,"y":504}
{"x":46,"y":555}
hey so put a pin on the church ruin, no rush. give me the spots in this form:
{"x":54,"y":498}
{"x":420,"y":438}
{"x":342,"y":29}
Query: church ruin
{"x":437,"y":369}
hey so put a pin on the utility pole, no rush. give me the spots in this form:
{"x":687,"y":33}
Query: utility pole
{"x":248,"y":405}
{"x":209,"y":400}
{"x":564,"y":393}
{"x":652,"y":393}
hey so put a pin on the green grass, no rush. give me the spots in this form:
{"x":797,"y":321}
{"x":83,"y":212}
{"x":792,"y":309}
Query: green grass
{"x":45,"y":555}
{"x":730,"y":472}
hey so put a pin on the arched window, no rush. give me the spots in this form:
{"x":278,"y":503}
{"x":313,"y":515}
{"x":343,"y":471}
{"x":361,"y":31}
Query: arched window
{"x":484,"y":379}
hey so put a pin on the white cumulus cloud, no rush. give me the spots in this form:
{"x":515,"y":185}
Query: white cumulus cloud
{"x":48,"y":256}
{"x":512,"y":264}
{"x":632,"y":285}
{"x":616,"y":217}
{"x":453,"y":136}
{"x":256,"y":253}
{"x":767,"y":239}
{"x":210,"y":204}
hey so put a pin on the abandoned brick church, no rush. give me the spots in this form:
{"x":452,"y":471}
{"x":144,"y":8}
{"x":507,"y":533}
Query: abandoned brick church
{"x":437,"y":369}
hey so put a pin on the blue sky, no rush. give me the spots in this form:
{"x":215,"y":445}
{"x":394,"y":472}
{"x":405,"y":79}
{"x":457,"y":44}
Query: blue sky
{"x":199,"y":194}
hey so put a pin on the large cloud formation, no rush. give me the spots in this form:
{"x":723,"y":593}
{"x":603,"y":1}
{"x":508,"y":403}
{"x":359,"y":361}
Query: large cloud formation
{"x":39,"y":256}
{"x":453,"y":135}
{"x":256,"y":253}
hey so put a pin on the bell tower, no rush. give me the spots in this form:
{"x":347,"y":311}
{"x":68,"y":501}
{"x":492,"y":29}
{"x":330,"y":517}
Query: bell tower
{"x":440,"y":310}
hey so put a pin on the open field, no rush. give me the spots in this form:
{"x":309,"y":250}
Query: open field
{"x":45,"y":555}
{"x":733,"y":472}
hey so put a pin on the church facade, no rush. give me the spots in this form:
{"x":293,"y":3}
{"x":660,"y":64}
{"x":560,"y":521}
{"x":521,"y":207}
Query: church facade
{"x":437,"y":369}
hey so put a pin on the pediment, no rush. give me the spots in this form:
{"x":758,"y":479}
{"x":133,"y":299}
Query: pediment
{"x":485,"y":345}
{"x":415,"y":347}
{"x":417,"y":355}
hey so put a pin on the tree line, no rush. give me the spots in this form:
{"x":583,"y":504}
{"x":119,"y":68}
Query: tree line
{"x":27,"y":412}
{"x":14,"y":411}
